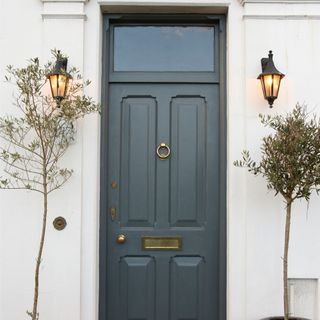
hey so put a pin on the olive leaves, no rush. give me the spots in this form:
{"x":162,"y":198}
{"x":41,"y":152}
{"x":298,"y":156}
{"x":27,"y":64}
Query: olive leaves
{"x":290,"y":157}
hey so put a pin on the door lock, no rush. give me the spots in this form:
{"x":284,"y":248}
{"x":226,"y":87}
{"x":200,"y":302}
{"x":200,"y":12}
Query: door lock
{"x":113,"y":213}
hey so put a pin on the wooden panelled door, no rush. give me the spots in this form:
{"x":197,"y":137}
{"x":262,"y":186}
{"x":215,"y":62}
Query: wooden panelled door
{"x":161,"y":240}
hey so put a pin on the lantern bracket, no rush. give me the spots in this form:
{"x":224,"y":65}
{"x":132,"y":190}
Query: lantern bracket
{"x":268,"y":66}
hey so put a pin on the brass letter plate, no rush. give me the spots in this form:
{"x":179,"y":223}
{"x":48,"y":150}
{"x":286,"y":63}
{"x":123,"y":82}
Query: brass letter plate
{"x":161,"y":243}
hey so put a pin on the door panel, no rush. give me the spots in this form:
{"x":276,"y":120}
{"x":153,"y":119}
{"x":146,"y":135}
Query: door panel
{"x":187,"y":288}
{"x":137,"y":288}
{"x":187,"y":164}
{"x":137,"y":172}
{"x":175,"y":197}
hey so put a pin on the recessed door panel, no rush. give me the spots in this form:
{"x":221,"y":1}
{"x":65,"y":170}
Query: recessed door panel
{"x":187,"y":165}
{"x":137,"y":172}
{"x":187,"y":288}
{"x":137,"y":288}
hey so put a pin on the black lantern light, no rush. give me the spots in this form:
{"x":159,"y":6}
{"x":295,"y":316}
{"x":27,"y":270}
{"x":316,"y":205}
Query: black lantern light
{"x":59,"y":78}
{"x":270,"y":79}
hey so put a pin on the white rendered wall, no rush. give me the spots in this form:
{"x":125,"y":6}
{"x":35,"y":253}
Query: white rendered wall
{"x":292,"y":31}
{"x":25,"y":33}
{"x":69,"y":287}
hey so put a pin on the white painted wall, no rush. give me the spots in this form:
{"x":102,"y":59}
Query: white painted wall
{"x":69,"y":288}
{"x":294,"y":37}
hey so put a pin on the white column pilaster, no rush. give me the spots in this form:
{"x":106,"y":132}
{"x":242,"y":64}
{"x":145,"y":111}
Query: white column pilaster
{"x":63,"y":29}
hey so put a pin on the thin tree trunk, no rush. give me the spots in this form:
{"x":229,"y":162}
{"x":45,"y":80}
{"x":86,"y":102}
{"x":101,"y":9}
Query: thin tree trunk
{"x":39,"y":257}
{"x":285,"y":261}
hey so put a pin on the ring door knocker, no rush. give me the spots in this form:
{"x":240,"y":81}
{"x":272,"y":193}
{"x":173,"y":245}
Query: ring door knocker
{"x":163,"y":151}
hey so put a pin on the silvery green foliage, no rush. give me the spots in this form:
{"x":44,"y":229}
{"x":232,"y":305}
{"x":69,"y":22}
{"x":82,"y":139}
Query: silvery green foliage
{"x":33,"y":142}
{"x":290,"y":157}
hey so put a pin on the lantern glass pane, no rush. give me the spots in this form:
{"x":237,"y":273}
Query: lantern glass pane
{"x":270,"y":85}
{"x":62,"y":80}
{"x":276,"y":85}
{"x":58,"y":84}
{"x":263,"y":87}
{"x":53,"y":79}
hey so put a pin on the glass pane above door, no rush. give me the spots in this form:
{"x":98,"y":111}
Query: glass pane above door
{"x":163,"y":48}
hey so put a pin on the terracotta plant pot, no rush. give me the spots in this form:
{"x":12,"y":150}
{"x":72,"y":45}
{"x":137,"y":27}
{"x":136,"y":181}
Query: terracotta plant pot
{"x":281,"y":318}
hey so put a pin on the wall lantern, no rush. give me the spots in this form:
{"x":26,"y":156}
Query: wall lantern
{"x":59,"y":79}
{"x":270,"y":79}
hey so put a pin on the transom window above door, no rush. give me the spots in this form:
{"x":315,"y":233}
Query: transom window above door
{"x":163,"y":48}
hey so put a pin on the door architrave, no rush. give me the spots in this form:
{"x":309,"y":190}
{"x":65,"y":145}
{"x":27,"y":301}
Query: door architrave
{"x":220,"y":20}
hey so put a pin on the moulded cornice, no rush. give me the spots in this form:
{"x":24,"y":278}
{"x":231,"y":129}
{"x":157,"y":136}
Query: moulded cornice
{"x":162,"y":3}
{"x":81,"y":1}
{"x":63,"y":16}
{"x":243,"y":2}
{"x":64,"y":9}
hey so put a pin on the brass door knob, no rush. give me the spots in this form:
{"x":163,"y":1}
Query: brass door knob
{"x":121,"y":238}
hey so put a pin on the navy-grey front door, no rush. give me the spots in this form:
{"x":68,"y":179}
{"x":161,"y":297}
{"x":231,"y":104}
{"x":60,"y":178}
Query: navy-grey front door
{"x":163,"y":192}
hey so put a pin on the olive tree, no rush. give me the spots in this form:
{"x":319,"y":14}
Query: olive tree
{"x":34,"y":141}
{"x":290,"y":164}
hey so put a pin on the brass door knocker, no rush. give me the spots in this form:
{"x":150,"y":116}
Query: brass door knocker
{"x":163,"y":151}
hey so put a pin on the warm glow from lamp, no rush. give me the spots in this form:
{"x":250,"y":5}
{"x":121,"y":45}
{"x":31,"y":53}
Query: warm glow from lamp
{"x":58,"y":84}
